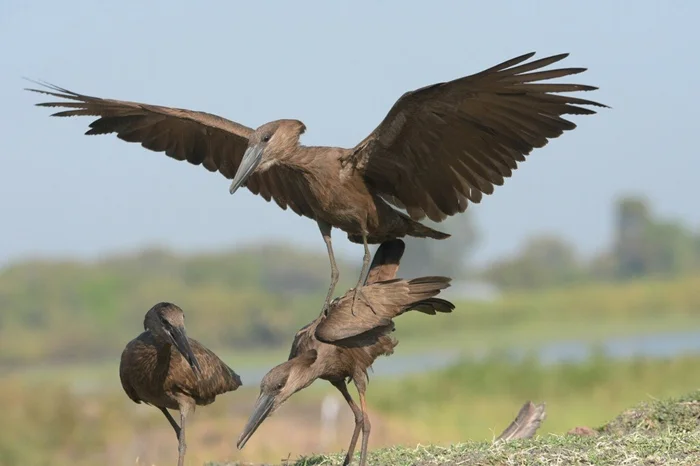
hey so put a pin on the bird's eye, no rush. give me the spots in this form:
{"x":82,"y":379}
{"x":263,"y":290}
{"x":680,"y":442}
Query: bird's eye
{"x":266,"y":138}
{"x":280,"y":386}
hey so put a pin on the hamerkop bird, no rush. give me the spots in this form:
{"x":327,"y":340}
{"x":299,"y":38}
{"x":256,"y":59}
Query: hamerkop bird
{"x":338,"y":346}
{"x":164,"y":368}
{"x":439,"y":148}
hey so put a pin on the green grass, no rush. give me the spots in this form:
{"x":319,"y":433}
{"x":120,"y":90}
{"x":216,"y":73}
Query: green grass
{"x":633,"y":449}
{"x":664,"y":432}
{"x":657,"y":418}
{"x":467,"y":400}
{"x":458,"y":410}
{"x":529,"y":333}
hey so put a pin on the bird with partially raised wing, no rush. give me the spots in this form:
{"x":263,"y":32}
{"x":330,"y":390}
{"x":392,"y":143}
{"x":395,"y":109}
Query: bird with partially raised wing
{"x":340,"y":346}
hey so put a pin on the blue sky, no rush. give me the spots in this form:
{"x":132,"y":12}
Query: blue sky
{"x":338,"y":67}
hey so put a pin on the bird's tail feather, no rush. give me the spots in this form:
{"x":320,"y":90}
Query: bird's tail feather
{"x":386,"y":261}
{"x":419,"y":230}
{"x":422,"y":292}
{"x":235,"y":379}
{"x":433,"y":305}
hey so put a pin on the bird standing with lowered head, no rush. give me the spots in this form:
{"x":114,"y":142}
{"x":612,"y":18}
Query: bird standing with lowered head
{"x":339,"y":346}
{"x":164,"y":368}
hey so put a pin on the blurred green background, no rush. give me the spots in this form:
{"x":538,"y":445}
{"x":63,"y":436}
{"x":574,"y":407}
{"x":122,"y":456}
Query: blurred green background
{"x":589,"y":336}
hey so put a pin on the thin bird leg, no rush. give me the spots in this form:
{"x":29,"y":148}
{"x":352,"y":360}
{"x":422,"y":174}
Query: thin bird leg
{"x":343,"y":388}
{"x":326,"y":232}
{"x":172,"y":422}
{"x":185,"y":409}
{"x":366,"y":426}
{"x":365,"y":267}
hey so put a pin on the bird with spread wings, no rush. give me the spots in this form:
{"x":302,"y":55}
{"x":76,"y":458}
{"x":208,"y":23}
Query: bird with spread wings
{"x":440,"y":148}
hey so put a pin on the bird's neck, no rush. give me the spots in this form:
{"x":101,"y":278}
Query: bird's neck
{"x":163,"y":352}
{"x":160,"y":342}
{"x":293,"y":156}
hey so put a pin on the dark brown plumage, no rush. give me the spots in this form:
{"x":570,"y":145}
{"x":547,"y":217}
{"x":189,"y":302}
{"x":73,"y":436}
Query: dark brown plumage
{"x":164,"y":368}
{"x":340,"y":346}
{"x":438,"y":149}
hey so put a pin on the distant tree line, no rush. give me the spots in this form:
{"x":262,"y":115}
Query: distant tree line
{"x":256,"y":297}
{"x":643,"y":245}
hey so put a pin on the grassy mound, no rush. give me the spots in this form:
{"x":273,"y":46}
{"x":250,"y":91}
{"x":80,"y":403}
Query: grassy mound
{"x":658,"y":418}
{"x":663,"y":432}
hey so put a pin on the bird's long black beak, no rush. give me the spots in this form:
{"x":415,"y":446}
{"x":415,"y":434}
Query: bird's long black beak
{"x":250,"y":161}
{"x":262,"y":409}
{"x":179,"y":337}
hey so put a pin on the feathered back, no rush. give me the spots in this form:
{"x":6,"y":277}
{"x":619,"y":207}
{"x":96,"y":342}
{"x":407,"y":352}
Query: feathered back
{"x":389,"y":298}
{"x":217,"y":377}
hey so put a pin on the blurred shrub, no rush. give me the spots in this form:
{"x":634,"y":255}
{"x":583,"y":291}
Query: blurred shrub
{"x":258,"y":297}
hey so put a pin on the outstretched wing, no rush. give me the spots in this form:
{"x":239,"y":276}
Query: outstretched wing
{"x":445,"y":145}
{"x":200,"y":138}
